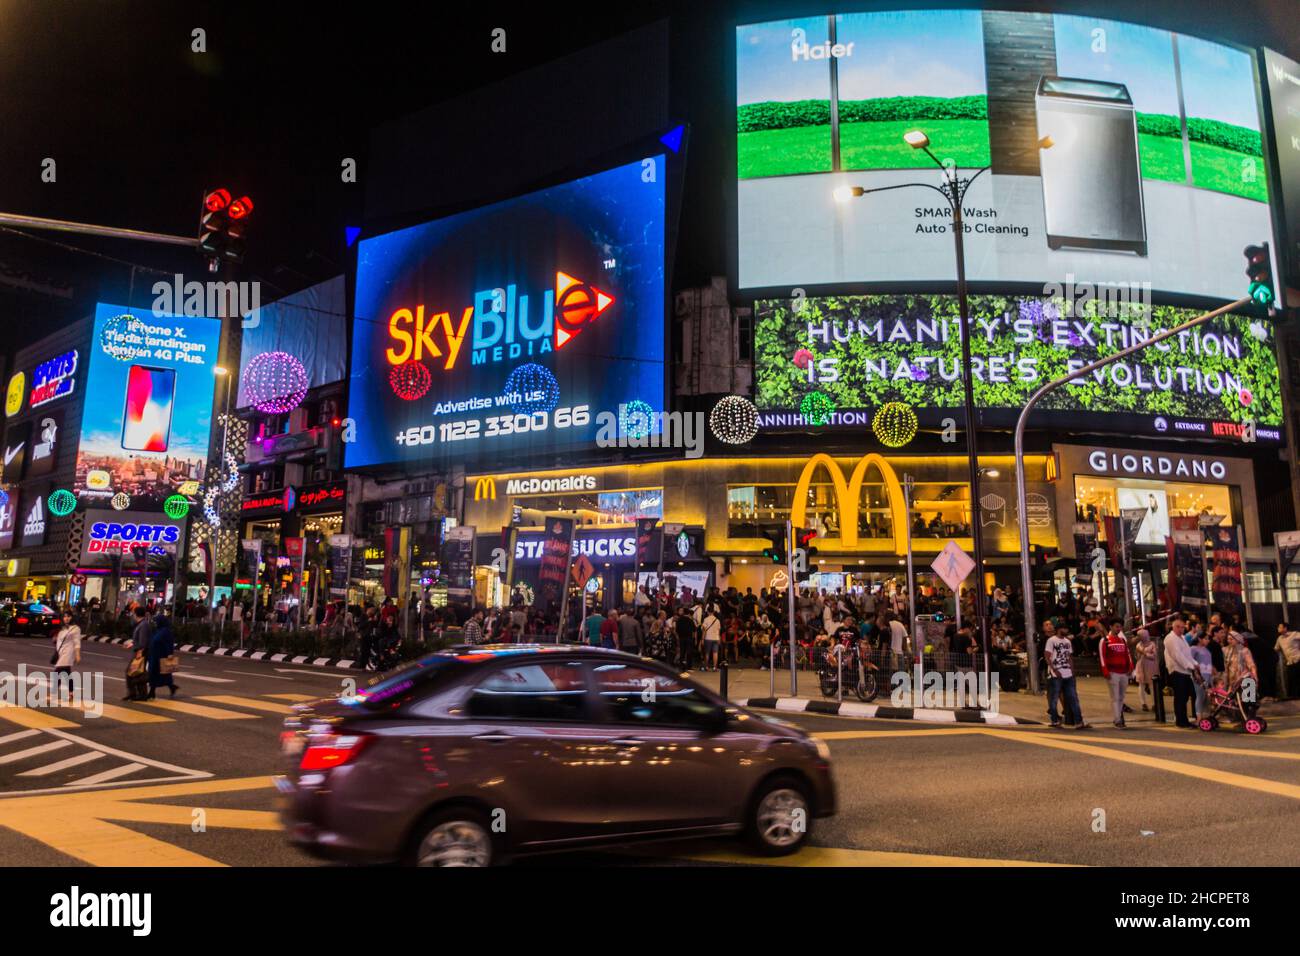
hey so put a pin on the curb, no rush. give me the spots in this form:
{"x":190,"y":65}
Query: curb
{"x":246,"y":654}
{"x":831,"y":708}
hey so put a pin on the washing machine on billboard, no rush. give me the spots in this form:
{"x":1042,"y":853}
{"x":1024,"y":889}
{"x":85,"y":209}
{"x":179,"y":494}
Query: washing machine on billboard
{"x":1091,"y":173}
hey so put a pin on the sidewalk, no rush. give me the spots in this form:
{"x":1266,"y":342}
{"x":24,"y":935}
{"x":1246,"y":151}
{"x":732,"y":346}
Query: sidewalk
{"x":752,"y":684}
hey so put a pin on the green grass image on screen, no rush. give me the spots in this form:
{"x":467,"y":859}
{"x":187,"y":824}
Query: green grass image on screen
{"x":784,"y":139}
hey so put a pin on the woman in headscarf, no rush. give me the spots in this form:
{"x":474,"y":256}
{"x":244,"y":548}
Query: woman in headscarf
{"x":1238,"y":662}
{"x":162,"y":644}
{"x":1148,"y":664}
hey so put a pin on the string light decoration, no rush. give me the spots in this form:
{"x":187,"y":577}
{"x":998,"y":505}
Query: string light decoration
{"x":817,"y":408}
{"x":120,"y":501}
{"x":231,"y":481}
{"x":176,"y":506}
{"x":894,"y":424}
{"x":734,"y":420}
{"x":61,"y":502}
{"x":210,"y":513}
{"x":410,"y":381}
{"x":275,"y":382}
{"x":533,"y":387}
{"x":635,"y":418}
{"x":115,"y":330}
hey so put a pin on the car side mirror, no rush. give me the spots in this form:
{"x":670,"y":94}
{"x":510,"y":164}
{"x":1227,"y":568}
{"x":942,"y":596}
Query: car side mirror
{"x":715,"y":721}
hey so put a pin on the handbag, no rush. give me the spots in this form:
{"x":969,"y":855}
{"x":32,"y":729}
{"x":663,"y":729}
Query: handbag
{"x":169,"y":665}
{"x":54,"y":658}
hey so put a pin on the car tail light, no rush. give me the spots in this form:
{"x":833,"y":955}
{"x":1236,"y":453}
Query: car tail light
{"x":22,"y":620}
{"x":56,"y":621}
{"x":332,"y":750}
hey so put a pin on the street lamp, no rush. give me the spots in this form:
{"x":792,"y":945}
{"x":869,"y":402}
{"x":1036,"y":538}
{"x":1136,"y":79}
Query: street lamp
{"x":222,"y":373}
{"x":954,"y":191}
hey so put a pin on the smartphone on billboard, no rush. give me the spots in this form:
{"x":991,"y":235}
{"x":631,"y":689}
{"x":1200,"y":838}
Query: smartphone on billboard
{"x":150,"y":397}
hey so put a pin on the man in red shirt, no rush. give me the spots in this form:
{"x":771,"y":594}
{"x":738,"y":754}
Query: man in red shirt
{"x":609,"y":631}
{"x":1116,"y":666}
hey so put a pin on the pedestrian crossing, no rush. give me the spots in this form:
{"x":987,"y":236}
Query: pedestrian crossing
{"x":42,"y":751}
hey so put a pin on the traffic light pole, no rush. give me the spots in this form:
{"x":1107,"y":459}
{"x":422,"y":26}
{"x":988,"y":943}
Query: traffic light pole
{"x":1026,"y":571}
{"x":90,"y":229}
{"x":789,"y":573}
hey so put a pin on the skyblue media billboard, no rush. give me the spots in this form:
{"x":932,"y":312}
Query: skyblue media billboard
{"x":507,"y":330}
{"x":148,"y":412}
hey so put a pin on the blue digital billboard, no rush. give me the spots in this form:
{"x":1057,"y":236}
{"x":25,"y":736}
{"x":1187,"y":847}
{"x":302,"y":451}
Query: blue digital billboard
{"x":148,"y":412}
{"x":508,"y":330}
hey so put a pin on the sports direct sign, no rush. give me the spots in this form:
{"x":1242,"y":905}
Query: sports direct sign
{"x":110,"y":533}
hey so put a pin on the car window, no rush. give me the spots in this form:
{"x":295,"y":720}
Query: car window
{"x":640,"y":695}
{"x":547,"y":690}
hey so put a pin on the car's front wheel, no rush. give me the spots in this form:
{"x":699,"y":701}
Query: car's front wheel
{"x":454,"y":837}
{"x":780,"y":817}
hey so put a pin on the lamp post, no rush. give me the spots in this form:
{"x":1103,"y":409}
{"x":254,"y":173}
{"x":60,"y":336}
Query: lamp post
{"x":954,"y":191}
{"x":224,"y":374}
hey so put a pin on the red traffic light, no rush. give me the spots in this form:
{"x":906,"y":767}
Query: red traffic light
{"x":336,"y":422}
{"x":216,"y":200}
{"x":241,"y":207}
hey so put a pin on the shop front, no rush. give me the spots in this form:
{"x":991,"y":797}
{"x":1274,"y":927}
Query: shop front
{"x":1161,"y":492}
{"x":294,"y":525}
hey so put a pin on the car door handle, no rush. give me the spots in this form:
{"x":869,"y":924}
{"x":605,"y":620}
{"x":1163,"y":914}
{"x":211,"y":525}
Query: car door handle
{"x":627,"y":742}
{"x":494,"y":738}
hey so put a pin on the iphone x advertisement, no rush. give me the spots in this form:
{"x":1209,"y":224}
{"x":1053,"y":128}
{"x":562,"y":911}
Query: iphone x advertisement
{"x":1104,"y":150}
{"x":515,"y":329}
{"x":148,"y":415}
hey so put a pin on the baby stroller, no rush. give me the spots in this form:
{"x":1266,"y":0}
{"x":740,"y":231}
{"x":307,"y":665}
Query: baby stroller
{"x":1220,"y":700}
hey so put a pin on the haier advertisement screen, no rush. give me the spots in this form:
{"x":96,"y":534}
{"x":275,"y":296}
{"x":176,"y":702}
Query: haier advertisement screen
{"x":514,"y":329}
{"x":148,"y":415}
{"x":1116,"y":152}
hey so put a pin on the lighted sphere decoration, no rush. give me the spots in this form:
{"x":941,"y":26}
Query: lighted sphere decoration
{"x":636,"y":418}
{"x":894,"y":424}
{"x":61,"y":502}
{"x":120,"y":501}
{"x":817,"y":408}
{"x":276,"y":382}
{"x":177,"y":507}
{"x":734,"y":420}
{"x":114,"y":330}
{"x":802,"y":358}
{"x":410,"y":381}
{"x":534,"y":388}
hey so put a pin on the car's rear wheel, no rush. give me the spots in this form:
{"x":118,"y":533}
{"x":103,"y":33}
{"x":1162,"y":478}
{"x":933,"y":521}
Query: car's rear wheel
{"x":780,"y":817}
{"x":453,"y":837}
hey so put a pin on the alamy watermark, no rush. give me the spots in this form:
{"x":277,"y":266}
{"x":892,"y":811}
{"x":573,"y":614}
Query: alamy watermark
{"x":38,"y":690}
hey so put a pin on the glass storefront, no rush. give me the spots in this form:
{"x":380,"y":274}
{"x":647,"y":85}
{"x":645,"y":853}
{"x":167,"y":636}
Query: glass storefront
{"x":1097,"y":498}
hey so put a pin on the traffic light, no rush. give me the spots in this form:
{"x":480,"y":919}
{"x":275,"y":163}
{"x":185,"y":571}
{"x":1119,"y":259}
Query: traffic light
{"x":1259,"y":269}
{"x":805,"y":537}
{"x":775,"y":534}
{"x":223,"y":226}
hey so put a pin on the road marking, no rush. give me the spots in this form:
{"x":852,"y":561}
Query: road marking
{"x":197,"y":710}
{"x":256,"y":674}
{"x":126,"y":715}
{"x":290,"y":670}
{"x":62,"y":764}
{"x":863,"y":734}
{"x":1158,"y":763}
{"x":250,"y":703}
{"x":107,"y":775}
{"x":843,"y":857}
{"x":18,"y":736}
{"x":191,"y":675}
{"x":78,"y":824}
{"x":295,"y":698}
{"x":1202,"y":748}
{"x":33,"y":751}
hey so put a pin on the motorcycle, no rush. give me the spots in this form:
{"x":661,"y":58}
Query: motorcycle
{"x":847,"y":664}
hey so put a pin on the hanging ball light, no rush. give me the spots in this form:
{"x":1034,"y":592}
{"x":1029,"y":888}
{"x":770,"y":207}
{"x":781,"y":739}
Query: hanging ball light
{"x":734,"y":420}
{"x":532,"y":388}
{"x":112,"y":337}
{"x":61,"y":502}
{"x":410,"y":381}
{"x":894,"y":424}
{"x":120,"y":501}
{"x":177,"y":507}
{"x":817,"y":408}
{"x":275,"y":382}
{"x":635,"y":418}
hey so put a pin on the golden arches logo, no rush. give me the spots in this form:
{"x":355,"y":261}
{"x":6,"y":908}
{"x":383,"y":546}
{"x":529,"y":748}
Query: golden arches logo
{"x":485,"y":489}
{"x":847,"y":496}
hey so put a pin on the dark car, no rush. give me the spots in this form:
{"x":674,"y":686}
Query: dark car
{"x":29,"y":617}
{"x":468,"y":757}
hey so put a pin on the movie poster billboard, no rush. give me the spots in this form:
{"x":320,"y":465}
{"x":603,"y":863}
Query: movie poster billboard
{"x":148,"y":408}
{"x":1224,"y":542}
{"x":1189,"y":566}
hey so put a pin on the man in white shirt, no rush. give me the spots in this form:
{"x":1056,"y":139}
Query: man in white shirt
{"x":1180,"y":663}
{"x":1058,"y":652}
{"x":712,"y":629}
{"x":897,"y":635}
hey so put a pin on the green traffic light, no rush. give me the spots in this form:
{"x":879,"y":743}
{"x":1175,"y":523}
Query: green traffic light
{"x":1261,"y":293}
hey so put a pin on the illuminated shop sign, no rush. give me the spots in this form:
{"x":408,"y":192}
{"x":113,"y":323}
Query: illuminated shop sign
{"x":545,"y":486}
{"x":619,"y":546}
{"x":54,"y":379}
{"x":1155,"y":466}
{"x":109,"y":534}
{"x":315,"y":497}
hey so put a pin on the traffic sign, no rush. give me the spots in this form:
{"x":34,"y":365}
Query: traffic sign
{"x":953,"y":565}
{"x":583,"y":569}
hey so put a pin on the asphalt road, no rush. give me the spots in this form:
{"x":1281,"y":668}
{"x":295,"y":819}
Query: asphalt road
{"x":188,"y":783}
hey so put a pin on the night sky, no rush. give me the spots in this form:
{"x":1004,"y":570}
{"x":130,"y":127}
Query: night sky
{"x":139,"y":125}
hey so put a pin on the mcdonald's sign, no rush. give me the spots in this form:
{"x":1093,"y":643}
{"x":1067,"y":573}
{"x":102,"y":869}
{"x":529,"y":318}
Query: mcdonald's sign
{"x":847,"y":496}
{"x":485,"y":489}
